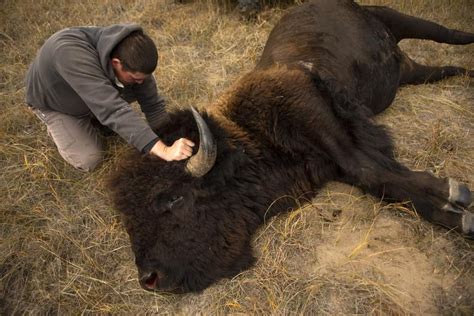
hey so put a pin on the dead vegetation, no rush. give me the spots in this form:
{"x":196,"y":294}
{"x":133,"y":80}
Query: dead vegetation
{"x":64,"y":251}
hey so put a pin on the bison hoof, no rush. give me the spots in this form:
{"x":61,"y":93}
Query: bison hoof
{"x":468,"y":224}
{"x":459,"y":193}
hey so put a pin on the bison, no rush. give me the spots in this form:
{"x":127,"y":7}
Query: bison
{"x":300,"y":118}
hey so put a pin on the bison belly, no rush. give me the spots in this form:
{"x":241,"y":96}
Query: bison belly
{"x":340,"y":41}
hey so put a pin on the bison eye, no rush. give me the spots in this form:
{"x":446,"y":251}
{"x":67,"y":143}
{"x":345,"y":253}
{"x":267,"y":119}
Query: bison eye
{"x":174,"y":200}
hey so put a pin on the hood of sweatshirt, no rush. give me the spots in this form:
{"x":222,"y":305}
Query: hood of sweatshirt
{"x":105,"y":39}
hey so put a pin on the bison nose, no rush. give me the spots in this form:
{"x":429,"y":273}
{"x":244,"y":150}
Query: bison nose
{"x":149,"y":281}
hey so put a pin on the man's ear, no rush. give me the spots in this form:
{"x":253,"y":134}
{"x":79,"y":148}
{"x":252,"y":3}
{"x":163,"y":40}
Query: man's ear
{"x":116,"y":62}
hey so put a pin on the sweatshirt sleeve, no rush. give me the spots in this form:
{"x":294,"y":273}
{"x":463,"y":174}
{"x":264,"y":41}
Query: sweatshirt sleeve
{"x":151,"y":103}
{"x":80,"y":68}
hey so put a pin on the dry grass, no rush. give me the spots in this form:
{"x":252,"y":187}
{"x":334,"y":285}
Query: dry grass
{"x":63,"y":250}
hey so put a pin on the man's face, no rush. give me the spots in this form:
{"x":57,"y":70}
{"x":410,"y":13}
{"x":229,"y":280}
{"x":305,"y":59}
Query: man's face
{"x":127,"y":77}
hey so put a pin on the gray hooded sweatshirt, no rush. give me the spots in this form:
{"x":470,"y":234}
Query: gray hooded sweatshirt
{"x":73,"y":74}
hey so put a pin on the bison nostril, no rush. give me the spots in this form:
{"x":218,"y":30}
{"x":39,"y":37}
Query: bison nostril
{"x":149,"y":281}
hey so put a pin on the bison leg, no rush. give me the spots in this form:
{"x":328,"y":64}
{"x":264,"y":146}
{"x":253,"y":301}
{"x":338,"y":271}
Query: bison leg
{"x":414,"y":73}
{"x":366,"y":160}
{"x":405,"y":26}
{"x":441,"y":201}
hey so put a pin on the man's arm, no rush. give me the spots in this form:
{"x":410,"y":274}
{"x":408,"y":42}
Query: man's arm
{"x":151,"y":103}
{"x":153,"y":106}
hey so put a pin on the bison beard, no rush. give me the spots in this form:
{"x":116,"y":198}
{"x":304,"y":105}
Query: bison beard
{"x":301,"y":118}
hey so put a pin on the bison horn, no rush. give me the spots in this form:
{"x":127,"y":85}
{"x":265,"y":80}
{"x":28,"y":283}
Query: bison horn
{"x":203,"y":161}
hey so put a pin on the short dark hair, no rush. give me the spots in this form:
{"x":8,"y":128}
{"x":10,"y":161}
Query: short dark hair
{"x":137,"y":53}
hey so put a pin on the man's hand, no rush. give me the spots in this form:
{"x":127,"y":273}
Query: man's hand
{"x":181,"y":149}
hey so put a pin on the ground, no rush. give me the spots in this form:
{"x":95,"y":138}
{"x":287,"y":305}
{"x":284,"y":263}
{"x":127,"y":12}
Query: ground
{"x":63,"y":249}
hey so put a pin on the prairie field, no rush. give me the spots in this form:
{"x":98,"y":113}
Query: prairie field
{"x":64,"y":251}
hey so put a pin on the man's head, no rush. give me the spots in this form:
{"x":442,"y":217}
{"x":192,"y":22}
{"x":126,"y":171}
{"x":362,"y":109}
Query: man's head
{"x":134,"y":58}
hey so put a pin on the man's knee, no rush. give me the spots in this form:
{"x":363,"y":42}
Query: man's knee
{"x":85,"y":161}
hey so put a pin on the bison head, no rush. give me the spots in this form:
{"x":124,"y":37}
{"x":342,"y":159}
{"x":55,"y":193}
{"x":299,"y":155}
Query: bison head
{"x":184,"y":232}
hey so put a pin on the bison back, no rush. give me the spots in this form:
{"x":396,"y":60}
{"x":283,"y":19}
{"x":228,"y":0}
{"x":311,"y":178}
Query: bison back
{"x":340,"y":41}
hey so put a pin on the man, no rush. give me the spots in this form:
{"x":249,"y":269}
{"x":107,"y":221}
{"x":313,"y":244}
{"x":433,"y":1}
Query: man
{"x":86,"y":74}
